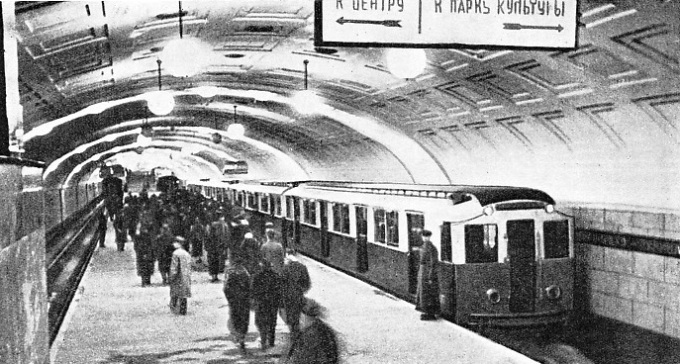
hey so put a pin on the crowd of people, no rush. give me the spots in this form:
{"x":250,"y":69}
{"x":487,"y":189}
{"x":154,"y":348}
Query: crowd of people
{"x":179,"y":228}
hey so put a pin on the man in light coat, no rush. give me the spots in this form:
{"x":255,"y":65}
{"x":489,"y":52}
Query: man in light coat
{"x":180,"y":277}
{"x":272,"y":252}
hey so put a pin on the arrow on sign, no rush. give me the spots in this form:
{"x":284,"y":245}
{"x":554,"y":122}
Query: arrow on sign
{"x":517,"y":26}
{"x":387,"y":23}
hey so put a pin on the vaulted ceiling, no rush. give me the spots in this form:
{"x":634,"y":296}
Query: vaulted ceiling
{"x":597,"y":123}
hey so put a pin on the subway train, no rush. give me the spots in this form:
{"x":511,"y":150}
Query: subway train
{"x":506,"y":253}
{"x":73,"y":226}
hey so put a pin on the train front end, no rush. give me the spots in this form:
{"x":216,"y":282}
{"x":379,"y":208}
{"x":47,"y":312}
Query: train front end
{"x":518,"y":268}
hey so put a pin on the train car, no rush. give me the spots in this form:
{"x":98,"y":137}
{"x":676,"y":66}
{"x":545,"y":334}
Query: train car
{"x":506,"y":254}
{"x":235,"y":167}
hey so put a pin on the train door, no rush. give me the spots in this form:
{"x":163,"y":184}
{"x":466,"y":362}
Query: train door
{"x":286,"y":217}
{"x":522,"y":256}
{"x":362,"y":243}
{"x":296,"y":223}
{"x":414,"y":223}
{"x":323,"y":214}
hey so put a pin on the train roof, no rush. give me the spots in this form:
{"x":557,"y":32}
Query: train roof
{"x":486,"y":195}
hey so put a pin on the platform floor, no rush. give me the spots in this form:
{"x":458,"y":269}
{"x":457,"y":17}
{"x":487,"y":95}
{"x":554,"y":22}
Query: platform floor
{"x":116,"y":320}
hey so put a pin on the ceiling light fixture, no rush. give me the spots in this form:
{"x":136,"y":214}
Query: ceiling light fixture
{"x":185,"y":57}
{"x":216,"y":137}
{"x":160,"y":102}
{"x":306,"y":102}
{"x":235,"y":130}
{"x":405,"y":63}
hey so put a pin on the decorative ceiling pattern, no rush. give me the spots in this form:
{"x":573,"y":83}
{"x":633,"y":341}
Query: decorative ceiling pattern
{"x":620,"y":84}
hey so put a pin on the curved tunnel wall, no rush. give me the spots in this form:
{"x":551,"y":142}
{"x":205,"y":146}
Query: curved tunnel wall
{"x":634,"y":163}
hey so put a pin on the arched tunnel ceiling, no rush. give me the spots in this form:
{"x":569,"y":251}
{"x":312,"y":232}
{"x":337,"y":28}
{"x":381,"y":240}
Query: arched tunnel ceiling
{"x":575,"y":122}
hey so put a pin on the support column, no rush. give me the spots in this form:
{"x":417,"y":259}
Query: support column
{"x":24,"y":336}
{"x":11,"y":122}
{"x":4,"y":121}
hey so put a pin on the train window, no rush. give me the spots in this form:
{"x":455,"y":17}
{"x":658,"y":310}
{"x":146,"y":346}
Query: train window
{"x":392,"y":218}
{"x":481,"y":243}
{"x":446,"y":255}
{"x":276,"y":201}
{"x":289,"y":207}
{"x":341,"y":218}
{"x":309,"y":211}
{"x":556,"y":239}
{"x":264,"y":203}
{"x":252,"y":200}
{"x":379,"y":220}
{"x":386,"y":227}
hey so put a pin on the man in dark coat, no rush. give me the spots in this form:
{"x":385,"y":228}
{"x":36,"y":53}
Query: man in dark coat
{"x":144,"y":249}
{"x":250,"y":250}
{"x":130,"y":219}
{"x":266,"y":295}
{"x":163,"y":249}
{"x":427,"y":294}
{"x":197,"y":237}
{"x":121,"y":231}
{"x":316,"y":343}
{"x":215,"y":246}
{"x":295,"y":282}
{"x":237,"y":292}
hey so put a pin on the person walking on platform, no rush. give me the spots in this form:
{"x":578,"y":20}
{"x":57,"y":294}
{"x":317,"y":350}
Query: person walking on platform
{"x":130,"y":218}
{"x":237,"y":292}
{"x":197,"y":237}
{"x":272,"y":251}
{"x":144,"y":249}
{"x":102,"y":229}
{"x":316,"y":343}
{"x":216,"y":245}
{"x":180,"y":277}
{"x":163,"y":249}
{"x":295,"y":282}
{"x":239,"y":227}
{"x":266,"y":295}
{"x":250,"y":249}
{"x":427,"y":293}
{"x":121,"y":231}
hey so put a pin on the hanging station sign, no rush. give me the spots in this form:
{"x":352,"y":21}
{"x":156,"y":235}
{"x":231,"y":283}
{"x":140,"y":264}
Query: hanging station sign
{"x":446,"y":23}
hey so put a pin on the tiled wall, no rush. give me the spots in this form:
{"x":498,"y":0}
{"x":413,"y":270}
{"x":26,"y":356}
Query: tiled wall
{"x":23,"y":300}
{"x":628,"y":266}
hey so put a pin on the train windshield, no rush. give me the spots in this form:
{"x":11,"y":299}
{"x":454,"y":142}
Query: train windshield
{"x":481,"y":243}
{"x":556,"y":239}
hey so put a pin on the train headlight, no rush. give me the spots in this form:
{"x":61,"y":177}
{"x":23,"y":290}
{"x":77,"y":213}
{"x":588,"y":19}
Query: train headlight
{"x":493,"y":295}
{"x":553,"y":292}
{"x":488,"y":211}
{"x":550,"y":208}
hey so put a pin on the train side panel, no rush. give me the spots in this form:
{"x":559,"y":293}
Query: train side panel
{"x":473,"y":281}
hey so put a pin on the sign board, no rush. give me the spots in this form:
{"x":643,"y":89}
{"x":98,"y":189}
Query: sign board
{"x":441,"y":23}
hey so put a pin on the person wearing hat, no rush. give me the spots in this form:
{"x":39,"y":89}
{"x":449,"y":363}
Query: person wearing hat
{"x":237,"y":292}
{"x":316,"y":341}
{"x":266,"y":295}
{"x":272,"y":251}
{"x":180,"y":277}
{"x":215,"y":246}
{"x":250,"y":251}
{"x":427,"y":293}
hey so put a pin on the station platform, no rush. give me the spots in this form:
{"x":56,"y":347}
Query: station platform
{"x":115,"y":320}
